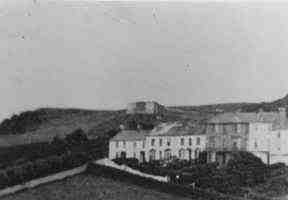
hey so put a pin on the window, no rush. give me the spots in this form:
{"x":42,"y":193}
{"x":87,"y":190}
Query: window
{"x":225,"y":129}
{"x":189,"y":154}
{"x":212,"y":141}
{"x":255,"y":145}
{"x":135,"y":144}
{"x":234,"y":128}
{"x":152,"y":154}
{"x":123,"y":154}
{"x":143,"y":144}
{"x":167,"y":154}
{"x":182,"y":141}
{"x":213,"y":128}
{"x":117,"y":144}
{"x":168,"y":141}
{"x":198,"y":141}
{"x":238,"y":129}
{"x":160,"y":142}
{"x":190,"y":141}
{"x":197,"y":152}
{"x":134,"y":155}
{"x":152,"y":142}
{"x":124,"y":144}
{"x":117,"y":155}
{"x":235,"y":146}
{"x":160,"y":155}
{"x":279,"y":134}
{"x":223,"y":142}
{"x":182,"y":154}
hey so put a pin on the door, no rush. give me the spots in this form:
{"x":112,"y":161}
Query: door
{"x":142,"y":156}
{"x":123,"y":154}
{"x":152,"y":155}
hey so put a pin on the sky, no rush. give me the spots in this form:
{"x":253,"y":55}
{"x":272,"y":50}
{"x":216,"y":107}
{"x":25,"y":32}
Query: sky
{"x":102,"y":55}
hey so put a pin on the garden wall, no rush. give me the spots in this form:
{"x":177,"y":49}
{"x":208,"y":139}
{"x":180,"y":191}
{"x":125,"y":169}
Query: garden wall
{"x":109,"y":163}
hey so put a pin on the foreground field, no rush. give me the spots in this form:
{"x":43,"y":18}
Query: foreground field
{"x":90,"y":187}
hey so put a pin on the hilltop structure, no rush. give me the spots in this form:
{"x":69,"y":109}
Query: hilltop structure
{"x":265,"y":134}
{"x":145,"y":107}
{"x":164,"y":142}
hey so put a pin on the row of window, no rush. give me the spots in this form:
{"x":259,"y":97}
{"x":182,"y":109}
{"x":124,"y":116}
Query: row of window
{"x":166,"y":154}
{"x":168,"y":142}
{"x":124,"y":144}
{"x":228,"y":128}
{"x":182,"y":141}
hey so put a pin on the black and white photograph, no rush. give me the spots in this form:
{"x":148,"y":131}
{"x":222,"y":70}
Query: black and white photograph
{"x":143,"y":100}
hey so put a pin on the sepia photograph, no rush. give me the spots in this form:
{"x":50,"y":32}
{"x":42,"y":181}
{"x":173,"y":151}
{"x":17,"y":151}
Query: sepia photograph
{"x":143,"y":100}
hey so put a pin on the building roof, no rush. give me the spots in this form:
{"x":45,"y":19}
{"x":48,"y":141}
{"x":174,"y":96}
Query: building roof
{"x":237,"y":117}
{"x":177,"y":129}
{"x":240,"y":117}
{"x":163,"y":129}
{"x":130,"y":135}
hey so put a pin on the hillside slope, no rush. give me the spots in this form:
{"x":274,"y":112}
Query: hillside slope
{"x":231,"y":107}
{"x":45,"y":123}
{"x":91,"y":187}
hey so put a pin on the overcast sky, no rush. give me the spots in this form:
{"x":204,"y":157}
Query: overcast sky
{"x":104,"y":55}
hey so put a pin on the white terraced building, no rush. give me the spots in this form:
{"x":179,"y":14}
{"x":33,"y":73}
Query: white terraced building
{"x":164,"y":142}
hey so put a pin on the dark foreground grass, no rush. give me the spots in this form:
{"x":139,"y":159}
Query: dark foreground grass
{"x":90,"y":187}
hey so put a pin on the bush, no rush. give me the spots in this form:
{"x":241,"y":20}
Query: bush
{"x":244,"y":169}
{"x":177,"y":164}
{"x":277,"y":169}
{"x":130,"y":162}
{"x":76,"y":137}
{"x":249,"y":169}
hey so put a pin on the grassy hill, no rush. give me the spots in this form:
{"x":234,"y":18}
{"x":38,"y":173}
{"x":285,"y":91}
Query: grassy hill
{"x":87,"y":186}
{"x":43,"y":124}
{"x":231,"y":107}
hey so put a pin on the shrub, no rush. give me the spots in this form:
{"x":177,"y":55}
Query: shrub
{"x":277,"y":169}
{"x":131,"y":162}
{"x":76,"y":137}
{"x":248,"y":168}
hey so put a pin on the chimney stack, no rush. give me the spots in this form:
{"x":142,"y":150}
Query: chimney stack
{"x":282,"y":116}
{"x":259,"y":114}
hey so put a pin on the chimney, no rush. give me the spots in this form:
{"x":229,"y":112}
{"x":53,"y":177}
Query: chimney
{"x":259,"y":114}
{"x":282,"y":116}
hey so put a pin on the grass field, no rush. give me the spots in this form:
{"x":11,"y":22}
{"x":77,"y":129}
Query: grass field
{"x":89,"y":187}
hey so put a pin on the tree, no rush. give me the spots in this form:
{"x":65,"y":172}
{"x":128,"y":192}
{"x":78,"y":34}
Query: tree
{"x":76,"y":137}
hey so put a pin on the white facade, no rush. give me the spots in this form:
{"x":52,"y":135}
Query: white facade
{"x":270,"y":145}
{"x":159,"y":147}
{"x":131,"y":149}
{"x":183,"y":147}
